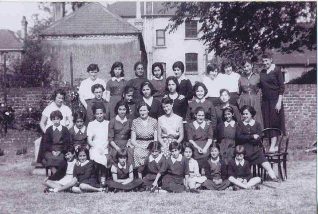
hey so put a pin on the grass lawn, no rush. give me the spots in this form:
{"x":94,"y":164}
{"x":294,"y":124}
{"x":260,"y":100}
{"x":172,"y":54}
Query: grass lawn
{"x":22,"y":192}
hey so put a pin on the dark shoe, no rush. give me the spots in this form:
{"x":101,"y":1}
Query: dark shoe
{"x":235,"y":188}
{"x":257,"y":187}
{"x":194,"y":191}
{"x":277,"y":180}
{"x":153,"y":189}
{"x":1,"y":152}
{"x":105,"y":189}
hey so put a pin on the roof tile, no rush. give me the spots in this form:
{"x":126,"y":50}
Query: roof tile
{"x":9,"y":41}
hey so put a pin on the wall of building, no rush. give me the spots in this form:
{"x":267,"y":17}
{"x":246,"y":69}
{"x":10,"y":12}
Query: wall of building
{"x":300,"y":104}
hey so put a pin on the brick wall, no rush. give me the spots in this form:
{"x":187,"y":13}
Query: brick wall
{"x":299,"y":103}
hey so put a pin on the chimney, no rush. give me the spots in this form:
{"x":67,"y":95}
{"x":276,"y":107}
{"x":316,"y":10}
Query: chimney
{"x":58,"y":10}
{"x":24,"y":30}
{"x":138,"y":21}
{"x":138,"y":13}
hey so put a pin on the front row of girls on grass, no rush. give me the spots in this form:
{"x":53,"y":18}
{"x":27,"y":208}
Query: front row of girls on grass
{"x":129,"y":157}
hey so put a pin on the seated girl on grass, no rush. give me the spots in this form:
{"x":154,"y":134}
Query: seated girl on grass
{"x":122,"y":174}
{"x":62,"y":179}
{"x":84,"y":174}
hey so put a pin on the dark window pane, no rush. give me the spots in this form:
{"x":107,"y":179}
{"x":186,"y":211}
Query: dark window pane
{"x":191,"y":60}
{"x":160,"y":38}
{"x":191,"y":29}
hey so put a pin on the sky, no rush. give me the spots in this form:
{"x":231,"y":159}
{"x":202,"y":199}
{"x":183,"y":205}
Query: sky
{"x":11,"y":13}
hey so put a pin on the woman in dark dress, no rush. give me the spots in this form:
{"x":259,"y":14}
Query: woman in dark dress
{"x":272,"y":85}
{"x":140,"y":78}
{"x":185,"y":86}
{"x":158,"y":80}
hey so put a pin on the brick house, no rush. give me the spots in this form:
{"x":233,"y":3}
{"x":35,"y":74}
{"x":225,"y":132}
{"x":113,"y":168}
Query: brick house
{"x":92,"y":34}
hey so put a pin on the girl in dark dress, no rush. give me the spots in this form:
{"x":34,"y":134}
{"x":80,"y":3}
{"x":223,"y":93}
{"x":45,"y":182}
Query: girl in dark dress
{"x":226,"y":133}
{"x":200,"y":135}
{"x":215,"y":171}
{"x":249,"y":135}
{"x":272,"y":85}
{"x":119,"y":129}
{"x":122,"y":174}
{"x":185,"y":86}
{"x":225,"y":102}
{"x":136,"y":82}
{"x":153,"y":163}
{"x":115,"y":86}
{"x":78,"y":131}
{"x":200,"y":91}
{"x":158,"y":80}
{"x":180,"y":103}
{"x":239,"y":171}
{"x":147,"y":91}
{"x":128,"y":97}
{"x":85,"y":178}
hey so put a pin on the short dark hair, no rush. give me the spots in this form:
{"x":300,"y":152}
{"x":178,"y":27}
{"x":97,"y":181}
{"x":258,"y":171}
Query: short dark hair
{"x":141,"y":104}
{"x":82,"y":149}
{"x":175,"y":80}
{"x":127,"y":89}
{"x":98,"y":106}
{"x":58,"y":91}
{"x":95,"y":86}
{"x":115,"y":65}
{"x":215,"y":145}
{"x":174,"y":145}
{"x":230,"y":109}
{"x":159,"y":65}
{"x":224,"y":90}
{"x":122,"y":153}
{"x":199,"y":108}
{"x":211,"y":67}
{"x":267,"y":55}
{"x":248,"y":108}
{"x":56,"y":114}
{"x":70,"y":149}
{"x":121,"y":103}
{"x":239,"y":149}
{"x":197,"y":85}
{"x":167,"y":100}
{"x":92,"y":67}
{"x":79,"y":115}
{"x":187,"y":145}
{"x":138,"y":63}
{"x":149,"y":84}
{"x":154,"y":145}
{"x":178,"y":64}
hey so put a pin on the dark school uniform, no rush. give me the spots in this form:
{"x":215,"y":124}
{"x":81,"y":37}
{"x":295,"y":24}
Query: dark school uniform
{"x":216,"y":170}
{"x":239,"y":171}
{"x":151,"y":168}
{"x":160,"y":88}
{"x":123,"y":173}
{"x":115,"y":87}
{"x":136,"y":83}
{"x":200,"y":136}
{"x":185,"y":88}
{"x":253,"y":148}
{"x":78,"y":136}
{"x":174,"y":173}
{"x":272,"y":85}
{"x":155,"y":108}
{"x":54,"y":139}
{"x":219,"y":113}
{"x":209,"y":109}
{"x":226,"y":135}
{"x":180,"y":106}
{"x":89,"y":112}
{"x":86,"y":173}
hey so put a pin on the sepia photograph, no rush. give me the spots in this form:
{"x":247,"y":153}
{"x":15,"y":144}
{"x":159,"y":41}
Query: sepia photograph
{"x":146,"y":107}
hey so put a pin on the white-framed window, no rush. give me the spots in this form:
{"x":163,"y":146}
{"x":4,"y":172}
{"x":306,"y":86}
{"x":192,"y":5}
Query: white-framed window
{"x":191,"y":29}
{"x":191,"y":62}
{"x":160,"y":37}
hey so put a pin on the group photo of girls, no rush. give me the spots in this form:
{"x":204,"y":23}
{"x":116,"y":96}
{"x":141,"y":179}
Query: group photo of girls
{"x":164,"y":134}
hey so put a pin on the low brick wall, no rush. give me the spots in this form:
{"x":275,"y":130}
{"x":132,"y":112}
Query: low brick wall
{"x":299,"y":104}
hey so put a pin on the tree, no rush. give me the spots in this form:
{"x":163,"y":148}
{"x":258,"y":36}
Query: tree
{"x":243,"y":28}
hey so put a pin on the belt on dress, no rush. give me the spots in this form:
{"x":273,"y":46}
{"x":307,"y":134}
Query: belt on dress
{"x":151,"y":138}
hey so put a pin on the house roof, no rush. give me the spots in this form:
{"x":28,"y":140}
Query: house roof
{"x":127,"y":9}
{"x":91,"y":19}
{"x":306,"y":57}
{"x":9,"y":41}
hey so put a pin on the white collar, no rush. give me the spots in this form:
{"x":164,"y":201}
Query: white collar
{"x":182,"y":77}
{"x":271,"y":68}
{"x":117,"y":79}
{"x":176,"y":159}
{"x":197,"y":125}
{"x":231,"y":123}
{"x":58,"y":128}
{"x":200,"y":101}
{"x":155,"y":78}
{"x":120,"y":120}
{"x":251,"y":123}
{"x":157,"y":159}
{"x":122,"y":167}
{"x":148,"y":101}
{"x":215,"y":161}
{"x":77,"y":130}
{"x":84,"y":163}
{"x":239,"y":162}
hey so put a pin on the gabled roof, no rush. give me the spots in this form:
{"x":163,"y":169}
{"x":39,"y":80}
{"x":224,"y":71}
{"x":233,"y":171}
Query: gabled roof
{"x":295,"y":58}
{"x":91,"y":19}
{"x":9,"y":41}
{"x":127,"y":9}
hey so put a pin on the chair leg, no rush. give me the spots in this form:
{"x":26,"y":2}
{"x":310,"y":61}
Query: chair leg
{"x":280,"y":172}
{"x":285,"y":167}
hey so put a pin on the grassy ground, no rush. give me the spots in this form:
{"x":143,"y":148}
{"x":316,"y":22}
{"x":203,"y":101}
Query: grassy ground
{"x":22,"y":192}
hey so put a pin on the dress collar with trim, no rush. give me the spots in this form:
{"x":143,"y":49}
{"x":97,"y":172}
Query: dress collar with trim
{"x":271,"y":68}
{"x":58,"y":128}
{"x":120,"y":120}
{"x":84,"y":163}
{"x":251,"y":123}
{"x":200,"y":101}
{"x":239,"y":162}
{"x":122,"y":167}
{"x":176,"y":159}
{"x":155,"y":78}
{"x":197,"y":125}
{"x":76,"y":130}
{"x":217,"y":160}
{"x":231,"y":123}
{"x":157,"y":159}
{"x":148,"y":101}
{"x":117,"y":79}
{"x":182,"y":77}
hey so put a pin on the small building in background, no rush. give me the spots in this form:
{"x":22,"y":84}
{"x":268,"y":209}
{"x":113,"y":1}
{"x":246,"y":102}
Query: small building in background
{"x":92,"y":34}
